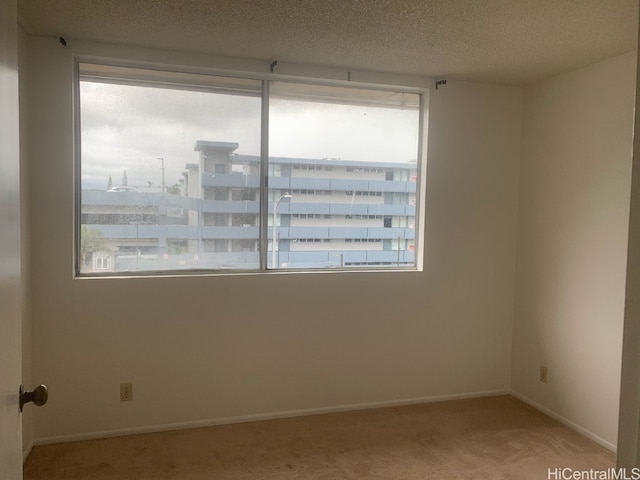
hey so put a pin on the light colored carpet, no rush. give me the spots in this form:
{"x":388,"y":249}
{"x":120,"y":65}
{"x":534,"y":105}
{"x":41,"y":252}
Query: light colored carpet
{"x":484,"y":438}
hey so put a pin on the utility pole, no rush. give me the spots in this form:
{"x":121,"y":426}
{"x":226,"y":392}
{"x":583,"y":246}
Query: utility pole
{"x":274,"y":245}
{"x":164,"y":186}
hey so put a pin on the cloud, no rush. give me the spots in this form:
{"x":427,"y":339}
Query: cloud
{"x":350,"y":132}
{"x":128,"y":127}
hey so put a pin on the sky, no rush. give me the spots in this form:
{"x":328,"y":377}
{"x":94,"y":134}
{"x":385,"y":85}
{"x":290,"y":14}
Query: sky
{"x":127,"y":127}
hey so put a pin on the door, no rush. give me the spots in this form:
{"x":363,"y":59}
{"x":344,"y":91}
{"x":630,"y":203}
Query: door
{"x":629,"y":415}
{"x":10,"y":280}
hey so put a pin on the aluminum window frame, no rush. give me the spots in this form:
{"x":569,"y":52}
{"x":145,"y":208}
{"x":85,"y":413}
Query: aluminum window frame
{"x":266,"y":80}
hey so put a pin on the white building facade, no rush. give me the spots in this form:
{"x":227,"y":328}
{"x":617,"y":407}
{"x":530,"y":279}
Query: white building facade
{"x":331,"y":213}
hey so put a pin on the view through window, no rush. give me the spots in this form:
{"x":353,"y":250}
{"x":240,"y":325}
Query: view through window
{"x":171,"y":172}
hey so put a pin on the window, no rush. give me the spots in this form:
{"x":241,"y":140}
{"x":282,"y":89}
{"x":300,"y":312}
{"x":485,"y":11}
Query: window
{"x":220,"y":194}
{"x":102,"y":262}
{"x":172,"y":164}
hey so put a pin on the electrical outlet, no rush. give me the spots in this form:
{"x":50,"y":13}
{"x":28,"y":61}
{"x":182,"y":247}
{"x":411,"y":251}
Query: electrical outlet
{"x":126,"y":392}
{"x":544,"y":373}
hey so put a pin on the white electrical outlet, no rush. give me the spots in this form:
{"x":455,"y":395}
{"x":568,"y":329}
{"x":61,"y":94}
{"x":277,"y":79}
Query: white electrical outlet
{"x":544,"y":373}
{"x":126,"y":392}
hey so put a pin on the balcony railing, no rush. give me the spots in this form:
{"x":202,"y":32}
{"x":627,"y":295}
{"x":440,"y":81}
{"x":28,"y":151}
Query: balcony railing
{"x":130,"y":203}
{"x":304,"y":183}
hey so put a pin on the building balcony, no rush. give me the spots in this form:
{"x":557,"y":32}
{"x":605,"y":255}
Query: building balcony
{"x":136,"y":199}
{"x":194,"y":261}
{"x":341,"y":184}
{"x":228,"y":206}
{"x":228,"y":233}
{"x":251,"y":260}
{"x":234,"y":180}
{"x":346,"y":209}
{"x":144,"y":231}
{"x":327,"y":259}
{"x":160,"y":203}
{"x":245,"y":232}
{"x":292,"y":233}
{"x":161,"y":232}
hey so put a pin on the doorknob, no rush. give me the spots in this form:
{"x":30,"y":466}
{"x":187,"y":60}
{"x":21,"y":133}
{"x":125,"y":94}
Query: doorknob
{"x":39,"y":396}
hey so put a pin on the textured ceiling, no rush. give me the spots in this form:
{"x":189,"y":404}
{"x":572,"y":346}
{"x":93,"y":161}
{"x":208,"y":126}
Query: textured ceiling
{"x":504,"y":41}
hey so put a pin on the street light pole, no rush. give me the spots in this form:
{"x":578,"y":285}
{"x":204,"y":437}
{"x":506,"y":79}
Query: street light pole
{"x":275,"y":240}
{"x":164,"y":186}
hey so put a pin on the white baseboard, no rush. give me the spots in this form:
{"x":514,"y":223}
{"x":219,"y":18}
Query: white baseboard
{"x":26,"y":451}
{"x":574,"y":426}
{"x":262,"y":416}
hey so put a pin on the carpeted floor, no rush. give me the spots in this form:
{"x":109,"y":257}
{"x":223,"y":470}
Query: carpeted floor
{"x":485,"y":438}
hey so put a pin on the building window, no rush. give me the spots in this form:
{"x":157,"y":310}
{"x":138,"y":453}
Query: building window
{"x":172,"y":166}
{"x":102,"y":262}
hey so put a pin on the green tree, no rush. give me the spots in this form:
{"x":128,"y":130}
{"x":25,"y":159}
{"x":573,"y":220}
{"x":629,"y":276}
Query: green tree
{"x":90,"y":241}
{"x":174,"y":189}
{"x":177,"y":246}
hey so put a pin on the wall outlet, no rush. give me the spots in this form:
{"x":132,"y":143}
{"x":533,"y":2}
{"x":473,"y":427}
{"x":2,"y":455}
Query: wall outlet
{"x":544,"y":373}
{"x":126,"y":392}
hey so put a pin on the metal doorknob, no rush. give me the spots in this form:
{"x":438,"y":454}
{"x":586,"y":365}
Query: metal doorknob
{"x":39,"y":396}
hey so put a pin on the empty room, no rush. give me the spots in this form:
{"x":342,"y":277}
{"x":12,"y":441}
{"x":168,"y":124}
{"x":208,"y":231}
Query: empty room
{"x":319,"y":239}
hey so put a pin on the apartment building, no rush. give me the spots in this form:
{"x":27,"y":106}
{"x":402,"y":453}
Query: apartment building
{"x":323,"y":213}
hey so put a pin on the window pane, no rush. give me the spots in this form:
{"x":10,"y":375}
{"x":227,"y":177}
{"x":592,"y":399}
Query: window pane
{"x":345,"y":190}
{"x":169,"y":171}
{"x":170,"y":174}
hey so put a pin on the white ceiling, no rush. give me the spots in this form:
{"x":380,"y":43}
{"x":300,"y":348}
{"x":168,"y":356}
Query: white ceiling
{"x":503,"y":41}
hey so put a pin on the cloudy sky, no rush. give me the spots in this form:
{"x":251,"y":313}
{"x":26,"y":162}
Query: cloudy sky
{"x":129,"y":127}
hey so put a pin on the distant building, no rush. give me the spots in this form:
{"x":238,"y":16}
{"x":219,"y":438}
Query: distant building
{"x":341,"y":213}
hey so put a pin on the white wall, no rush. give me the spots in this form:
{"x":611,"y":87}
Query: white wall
{"x":572,"y":239}
{"x":200,"y":348}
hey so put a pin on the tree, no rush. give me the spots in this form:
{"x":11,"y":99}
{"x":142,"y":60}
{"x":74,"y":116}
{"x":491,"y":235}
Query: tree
{"x":90,"y":241}
{"x":125,"y":182}
{"x":177,"y":246}
{"x":109,"y":183}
